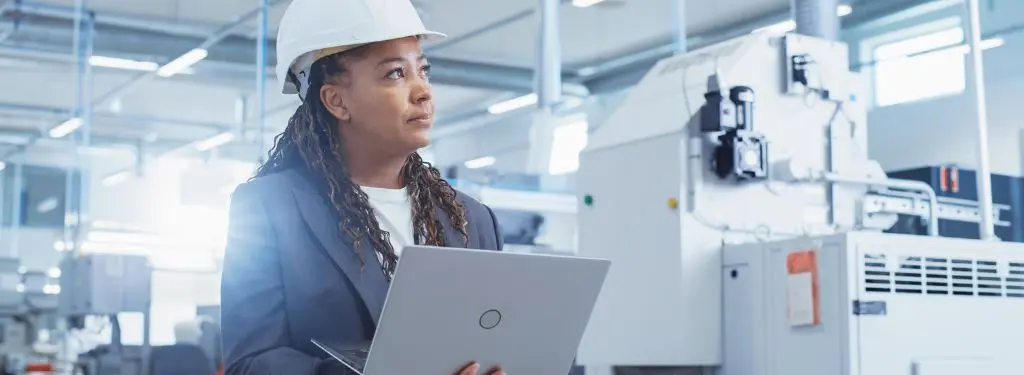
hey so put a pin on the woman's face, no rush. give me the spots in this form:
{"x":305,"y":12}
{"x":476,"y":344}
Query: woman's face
{"x":385,"y":101}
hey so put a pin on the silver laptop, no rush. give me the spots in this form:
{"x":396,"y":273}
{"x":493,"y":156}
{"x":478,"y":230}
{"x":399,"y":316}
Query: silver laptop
{"x":447,"y":307}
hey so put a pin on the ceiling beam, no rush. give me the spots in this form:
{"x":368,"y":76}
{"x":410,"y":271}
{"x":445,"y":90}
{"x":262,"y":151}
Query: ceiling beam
{"x":54,"y":36}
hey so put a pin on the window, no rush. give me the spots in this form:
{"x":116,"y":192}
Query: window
{"x":567,"y":142}
{"x":43,"y":194}
{"x":901,"y":76}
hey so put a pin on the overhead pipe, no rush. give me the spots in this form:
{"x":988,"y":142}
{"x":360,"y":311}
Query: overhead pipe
{"x":636,"y":62}
{"x":221,"y":33}
{"x":444,"y":71}
{"x":549,"y":56}
{"x":679,"y":42}
{"x":618,"y":73}
{"x":230,"y":28}
{"x":261,"y":79}
{"x":127,"y":21}
{"x":16,"y":24}
{"x":816,"y":18}
{"x":16,"y":192}
{"x":54,"y":111}
{"x":83,"y":46}
{"x":977,"y":78}
{"x":480,"y":30}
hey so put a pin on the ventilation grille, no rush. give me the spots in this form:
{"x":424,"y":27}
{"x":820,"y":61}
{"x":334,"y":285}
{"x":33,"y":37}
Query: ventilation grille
{"x":943,"y":276}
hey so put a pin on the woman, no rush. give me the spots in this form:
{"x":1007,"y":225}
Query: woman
{"x":315,"y":236}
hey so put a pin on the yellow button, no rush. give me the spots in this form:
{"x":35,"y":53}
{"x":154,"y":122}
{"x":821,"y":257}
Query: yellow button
{"x":673,"y":203}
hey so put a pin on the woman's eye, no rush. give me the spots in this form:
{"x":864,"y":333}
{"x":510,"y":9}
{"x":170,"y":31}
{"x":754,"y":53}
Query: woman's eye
{"x":397,"y":73}
{"x":426,"y":70}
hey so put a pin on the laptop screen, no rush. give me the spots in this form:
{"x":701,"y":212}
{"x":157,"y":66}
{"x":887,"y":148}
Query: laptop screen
{"x":352,"y":356}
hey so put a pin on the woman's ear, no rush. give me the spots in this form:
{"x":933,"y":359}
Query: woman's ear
{"x":330,"y":95}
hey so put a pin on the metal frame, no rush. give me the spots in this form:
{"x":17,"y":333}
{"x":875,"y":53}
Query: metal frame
{"x":972,"y":29}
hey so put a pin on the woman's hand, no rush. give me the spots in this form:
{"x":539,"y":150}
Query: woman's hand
{"x":474,"y":369}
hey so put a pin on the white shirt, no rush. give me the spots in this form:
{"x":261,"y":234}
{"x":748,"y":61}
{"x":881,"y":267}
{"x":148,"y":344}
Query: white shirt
{"x":394,"y":214}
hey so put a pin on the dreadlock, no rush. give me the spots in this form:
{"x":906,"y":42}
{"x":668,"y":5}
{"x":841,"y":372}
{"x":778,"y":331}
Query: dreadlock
{"x":312,"y":140}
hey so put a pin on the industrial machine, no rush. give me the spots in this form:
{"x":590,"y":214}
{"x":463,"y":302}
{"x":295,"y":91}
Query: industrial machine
{"x":14,"y":342}
{"x":955,"y":186}
{"x":28,"y":302}
{"x":105,"y":285}
{"x":871,"y":303}
{"x":751,"y":244}
{"x":532,"y":220}
{"x":210,"y":341}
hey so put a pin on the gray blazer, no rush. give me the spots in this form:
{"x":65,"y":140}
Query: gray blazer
{"x":290,"y":275}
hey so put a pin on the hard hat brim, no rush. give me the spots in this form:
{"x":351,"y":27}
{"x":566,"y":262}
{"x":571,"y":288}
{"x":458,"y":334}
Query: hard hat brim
{"x":290,"y":88}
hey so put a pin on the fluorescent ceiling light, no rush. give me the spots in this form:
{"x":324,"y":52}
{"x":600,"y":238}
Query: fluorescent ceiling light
{"x":844,"y":10}
{"x":513,"y":104}
{"x":125,"y":64}
{"x":215,"y":141}
{"x":182,"y":62}
{"x":481,"y":162}
{"x":585,"y":3}
{"x":778,"y":28}
{"x":116,"y":178}
{"x":992,"y":43}
{"x":790,"y":25}
{"x":66,"y":127}
{"x":986,"y":44}
{"x":47,"y":205}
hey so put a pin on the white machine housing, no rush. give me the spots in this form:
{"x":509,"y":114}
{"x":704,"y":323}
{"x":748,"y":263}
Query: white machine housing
{"x":888,"y":305}
{"x":661,"y":301}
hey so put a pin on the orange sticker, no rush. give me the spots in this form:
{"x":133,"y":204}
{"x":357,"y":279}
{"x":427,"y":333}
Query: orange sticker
{"x":802,"y":288}
{"x":943,"y":182}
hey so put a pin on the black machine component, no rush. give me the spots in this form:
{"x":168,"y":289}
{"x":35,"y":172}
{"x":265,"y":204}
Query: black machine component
{"x":956,"y":183}
{"x":802,"y":66}
{"x":741,"y":152}
{"x":718,"y":113}
{"x":743,"y":98}
{"x":519,"y":227}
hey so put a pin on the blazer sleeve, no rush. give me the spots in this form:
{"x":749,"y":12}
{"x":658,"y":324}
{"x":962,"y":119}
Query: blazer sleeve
{"x":254,"y":320}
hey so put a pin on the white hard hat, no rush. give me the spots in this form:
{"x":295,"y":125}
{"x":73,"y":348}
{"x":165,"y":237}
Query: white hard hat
{"x":311,"y":29}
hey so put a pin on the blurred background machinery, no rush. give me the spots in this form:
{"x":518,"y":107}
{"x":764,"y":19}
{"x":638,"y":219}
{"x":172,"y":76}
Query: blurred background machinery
{"x":754,"y":244}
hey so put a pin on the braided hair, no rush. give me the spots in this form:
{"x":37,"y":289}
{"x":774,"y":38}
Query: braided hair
{"x":312,"y":140}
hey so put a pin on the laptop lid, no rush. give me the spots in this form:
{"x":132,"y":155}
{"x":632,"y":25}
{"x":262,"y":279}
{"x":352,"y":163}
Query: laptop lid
{"x":446,"y":307}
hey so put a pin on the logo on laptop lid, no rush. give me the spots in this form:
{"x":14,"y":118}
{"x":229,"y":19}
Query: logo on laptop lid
{"x":490,"y":319}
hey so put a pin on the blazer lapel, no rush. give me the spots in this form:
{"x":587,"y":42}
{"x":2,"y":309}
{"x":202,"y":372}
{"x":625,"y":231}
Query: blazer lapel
{"x":368,"y":277}
{"x":452,"y":237}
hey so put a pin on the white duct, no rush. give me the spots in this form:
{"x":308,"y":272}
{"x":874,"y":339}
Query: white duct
{"x":816,"y":18}
{"x":549,"y":56}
